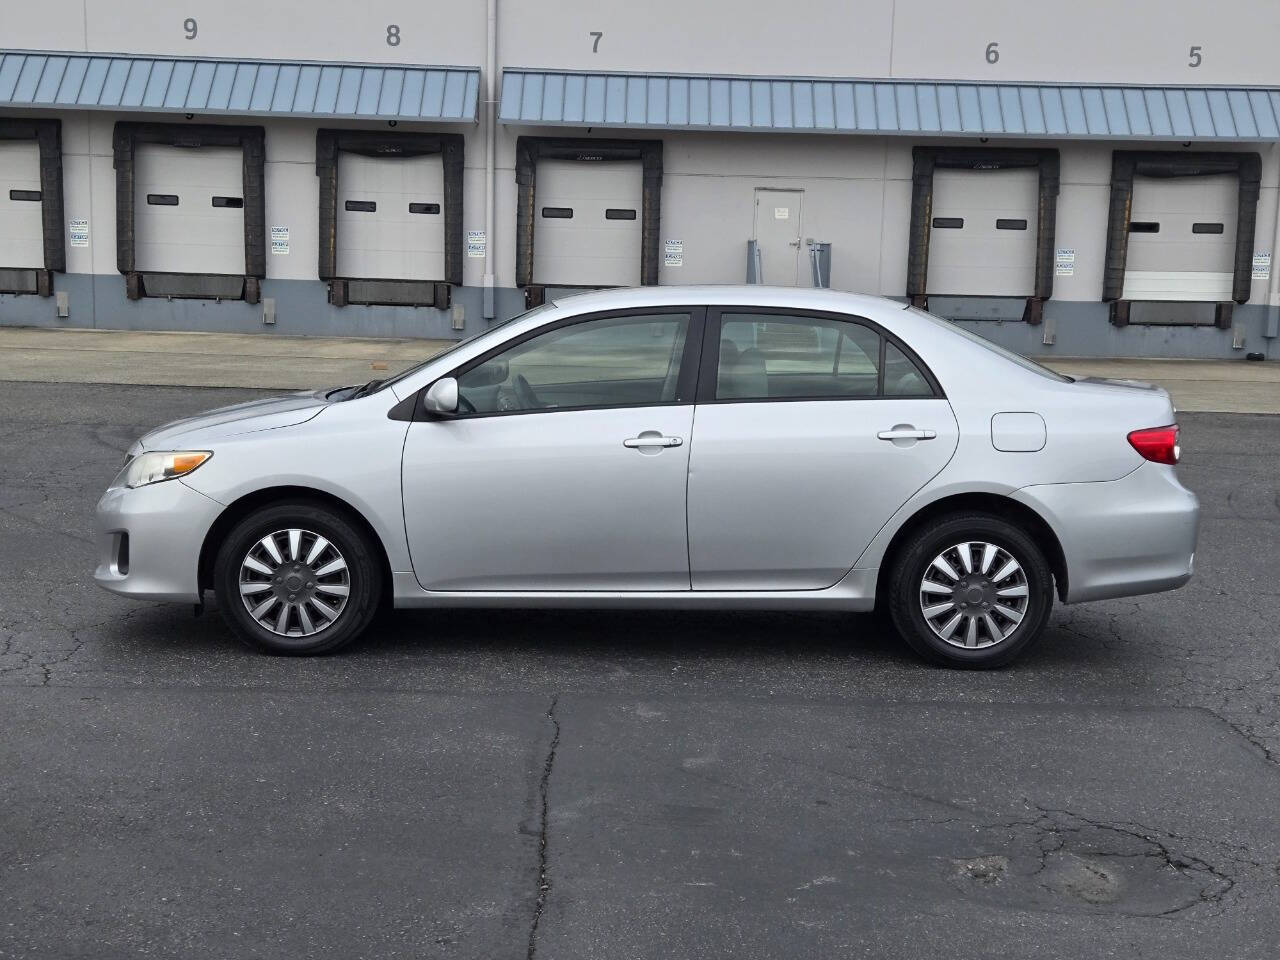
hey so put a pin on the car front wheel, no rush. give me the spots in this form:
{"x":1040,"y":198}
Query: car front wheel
{"x":297,"y":579}
{"x":971,"y":590}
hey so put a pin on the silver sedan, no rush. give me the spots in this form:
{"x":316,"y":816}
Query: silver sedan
{"x":737,"y":447}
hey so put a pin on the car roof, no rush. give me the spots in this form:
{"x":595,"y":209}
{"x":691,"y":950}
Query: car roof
{"x":726,"y":295}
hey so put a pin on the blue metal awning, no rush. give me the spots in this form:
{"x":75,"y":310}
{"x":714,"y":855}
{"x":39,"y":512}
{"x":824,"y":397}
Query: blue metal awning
{"x":237,"y":87}
{"x":812,"y":105}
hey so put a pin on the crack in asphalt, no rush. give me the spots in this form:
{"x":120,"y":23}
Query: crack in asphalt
{"x":1054,"y":828}
{"x":1051,"y":827}
{"x":544,"y":881}
{"x":1257,"y":741}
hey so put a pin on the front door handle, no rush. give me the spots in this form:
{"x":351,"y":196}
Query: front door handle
{"x":650,"y":439}
{"x":906,"y":433}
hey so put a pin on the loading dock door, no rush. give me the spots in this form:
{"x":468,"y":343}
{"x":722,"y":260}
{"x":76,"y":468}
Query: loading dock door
{"x":21,"y":227}
{"x":587,"y":223}
{"x":189,"y":209}
{"x":982,"y":239}
{"x":777,"y":236}
{"x":1182,"y":237}
{"x":390,"y":217}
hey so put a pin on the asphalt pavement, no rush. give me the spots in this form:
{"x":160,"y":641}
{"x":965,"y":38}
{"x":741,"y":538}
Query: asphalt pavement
{"x":638,"y":784}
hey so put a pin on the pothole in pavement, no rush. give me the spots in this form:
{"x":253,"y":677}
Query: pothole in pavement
{"x":1063,"y":864}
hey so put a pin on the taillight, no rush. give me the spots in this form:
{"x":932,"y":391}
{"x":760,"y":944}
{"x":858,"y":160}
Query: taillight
{"x":1157,"y":444}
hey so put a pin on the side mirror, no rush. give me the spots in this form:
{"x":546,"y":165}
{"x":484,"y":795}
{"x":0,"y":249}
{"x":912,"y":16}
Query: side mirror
{"x":442,"y":397}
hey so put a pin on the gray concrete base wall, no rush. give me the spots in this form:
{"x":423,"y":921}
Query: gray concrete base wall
{"x":98,"y":301}
{"x":1085,"y":330}
{"x":302,"y":309}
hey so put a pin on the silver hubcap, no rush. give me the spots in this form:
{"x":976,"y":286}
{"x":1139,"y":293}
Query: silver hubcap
{"x":294,"y":583}
{"x":974,"y":594}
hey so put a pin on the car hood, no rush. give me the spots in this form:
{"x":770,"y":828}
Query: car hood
{"x":268,"y":414}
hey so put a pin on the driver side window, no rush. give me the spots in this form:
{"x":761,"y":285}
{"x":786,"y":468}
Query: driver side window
{"x":605,"y":362}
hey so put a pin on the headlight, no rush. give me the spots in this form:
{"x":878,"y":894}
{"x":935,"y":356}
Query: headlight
{"x":153,"y":467}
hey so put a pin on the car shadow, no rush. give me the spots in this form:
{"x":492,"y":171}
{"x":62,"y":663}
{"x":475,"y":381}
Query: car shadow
{"x":726,"y":636}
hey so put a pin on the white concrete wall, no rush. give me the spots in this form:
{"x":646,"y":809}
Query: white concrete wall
{"x":1137,"y":41}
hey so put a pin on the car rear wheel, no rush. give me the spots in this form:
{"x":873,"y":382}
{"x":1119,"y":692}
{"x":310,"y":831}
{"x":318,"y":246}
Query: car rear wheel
{"x":297,"y":579}
{"x":971,"y":590}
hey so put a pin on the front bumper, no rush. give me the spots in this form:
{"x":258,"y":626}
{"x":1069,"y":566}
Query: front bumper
{"x":1121,"y":537}
{"x":164,"y":525}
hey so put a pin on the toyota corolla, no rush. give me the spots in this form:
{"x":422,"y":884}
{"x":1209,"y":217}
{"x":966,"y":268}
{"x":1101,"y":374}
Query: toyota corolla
{"x":736,"y":447}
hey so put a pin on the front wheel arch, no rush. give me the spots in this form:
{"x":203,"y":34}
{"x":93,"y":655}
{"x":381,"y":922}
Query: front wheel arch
{"x":237,"y":510}
{"x":1003,"y":508}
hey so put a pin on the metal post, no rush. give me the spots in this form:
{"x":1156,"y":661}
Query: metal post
{"x":755,"y":273}
{"x":490,"y":142}
{"x":820,"y":263}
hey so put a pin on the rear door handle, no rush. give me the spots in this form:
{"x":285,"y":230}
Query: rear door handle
{"x":906,"y":433}
{"x":651,"y":440}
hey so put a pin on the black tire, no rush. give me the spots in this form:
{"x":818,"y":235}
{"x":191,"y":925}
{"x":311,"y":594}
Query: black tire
{"x":363,"y":574}
{"x":907,"y":574}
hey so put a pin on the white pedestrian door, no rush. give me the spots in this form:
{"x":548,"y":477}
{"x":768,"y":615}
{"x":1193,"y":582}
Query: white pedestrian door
{"x":390,"y":217}
{"x":21,"y":226}
{"x":189,"y":209}
{"x":777,"y":236}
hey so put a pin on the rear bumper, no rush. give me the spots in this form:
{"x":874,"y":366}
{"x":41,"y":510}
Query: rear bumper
{"x":1122,"y":537}
{"x":164,"y":525}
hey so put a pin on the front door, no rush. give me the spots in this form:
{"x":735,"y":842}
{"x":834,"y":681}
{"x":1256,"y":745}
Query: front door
{"x":566,"y":466}
{"x":777,"y":236}
{"x":811,"y":432}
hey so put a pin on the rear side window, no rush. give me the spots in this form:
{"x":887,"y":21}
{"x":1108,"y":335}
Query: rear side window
{"x":902,"y":378}
{"x":766,"y":356}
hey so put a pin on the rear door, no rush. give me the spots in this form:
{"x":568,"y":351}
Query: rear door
{"x":811,"y":430}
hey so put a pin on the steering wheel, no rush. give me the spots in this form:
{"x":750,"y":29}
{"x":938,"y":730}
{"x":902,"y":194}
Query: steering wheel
{"x":528,"y":399}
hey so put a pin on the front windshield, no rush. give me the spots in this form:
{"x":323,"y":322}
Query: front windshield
{"x":459,"y":345}
{"x":995,"y":348}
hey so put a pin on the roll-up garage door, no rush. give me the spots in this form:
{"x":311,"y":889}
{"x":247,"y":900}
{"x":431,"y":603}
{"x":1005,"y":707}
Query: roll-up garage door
{"x":21,"y":227}
{"x":983,"y":236}
{"x":1182,"y":237}
{"x":587,"y":223}
{"x":189,"y":209}
{"x":390,"y":215}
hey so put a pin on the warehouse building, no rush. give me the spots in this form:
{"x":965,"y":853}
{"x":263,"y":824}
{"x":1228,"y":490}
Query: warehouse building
{"x":428,"y":170}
